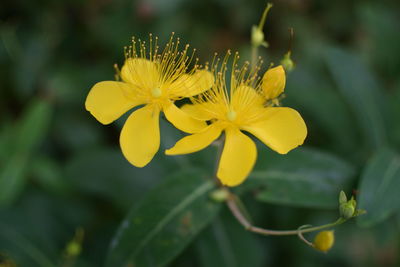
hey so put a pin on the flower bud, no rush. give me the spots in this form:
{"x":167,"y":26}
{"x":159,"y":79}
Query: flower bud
{"x":257,"y":36}
{"x":346,"y":210}
{"x":353,"y":202}
{"x":273,"y":82}
{"x":287,"y":62}
{"x":324,"y":241}
{"x":342,"y":197}
{"x":73,"y":249}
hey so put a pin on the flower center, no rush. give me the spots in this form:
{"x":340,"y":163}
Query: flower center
{"x":156,"y":92}
{"x":231,"y":115}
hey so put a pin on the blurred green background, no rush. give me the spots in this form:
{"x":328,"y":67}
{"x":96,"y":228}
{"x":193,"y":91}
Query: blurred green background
{"x":61,"y":170}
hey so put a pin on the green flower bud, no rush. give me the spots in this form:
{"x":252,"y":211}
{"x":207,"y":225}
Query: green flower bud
{"x":287,"y":62}
{"x":353,"y":202}
{"x":346,"y":210}
{"x":73,"y":249}
{"x":257,"y":36}
{"x":342,"y":197}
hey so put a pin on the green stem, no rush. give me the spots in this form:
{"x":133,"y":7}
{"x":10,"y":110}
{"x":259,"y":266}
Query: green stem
{"x":242,"y":208}
{"x":254,"y":55}
{"x":232,"y":204}
{"x":264,"y":16}
{"x":300,"y":234}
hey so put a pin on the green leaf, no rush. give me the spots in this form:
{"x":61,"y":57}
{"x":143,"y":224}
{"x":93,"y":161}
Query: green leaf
{"x":47,"y":173}
{"x":317,"y":101}
{"x":379,"y":188}
{"x":304,"y":177}
{"x":227,"y":243}
{"x":362,"y":92}
{"x":30,"y":131}
{"x":108,"y":175}
{"x":30,"y":64}
{"x":165,"y":222}
{"x":14,"y":241}
{"x":6,"y":140}
{"x":381,"y":25}
{"x":395,"y":109}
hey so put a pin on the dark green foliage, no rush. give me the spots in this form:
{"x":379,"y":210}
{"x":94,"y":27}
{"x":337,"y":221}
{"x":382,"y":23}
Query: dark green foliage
{"x":304,"y":178}
{"x":159,"y":227}
{"x":379,"y":186}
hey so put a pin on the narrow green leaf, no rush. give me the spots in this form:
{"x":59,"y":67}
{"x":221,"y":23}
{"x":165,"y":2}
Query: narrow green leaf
{"x":362,"y":92}
{"x":11,"y":238}
{"x":30,"y":130}
{"x":381,"y":25}
{"x":6,"y":140}
{"x":47,"y":173}
{"x":304,"y":177}
{"x":379,"y":188}
{"x":30,"y":63}
{"x":165,"y":222}
{"x":395,"y":109}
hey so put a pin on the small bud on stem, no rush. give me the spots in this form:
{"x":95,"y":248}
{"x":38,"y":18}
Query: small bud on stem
{"x":324,"y":241}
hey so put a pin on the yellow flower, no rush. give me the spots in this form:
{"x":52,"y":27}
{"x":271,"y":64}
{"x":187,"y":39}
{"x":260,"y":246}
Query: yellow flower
{"x":242,"y":108}
{"x":154,"y":80}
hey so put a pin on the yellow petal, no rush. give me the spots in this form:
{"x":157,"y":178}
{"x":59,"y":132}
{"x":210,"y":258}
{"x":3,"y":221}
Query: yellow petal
{"x":140,"y":136}
{"x":141,"y":72}
{"x":108,"y":100}
{"x":273,"y":82}
{"x":237,"y":159}
{"x":182,"y":120}
{"x":189,"y":85}
{"x":197,"y":141}
{"x":246,"y":96}
{"x":199,"y":111}
{"x":282,"y":129}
